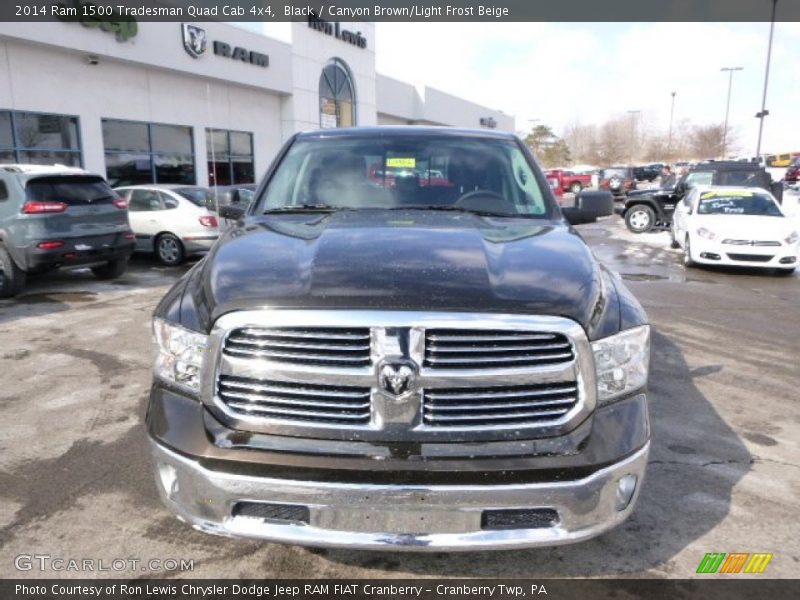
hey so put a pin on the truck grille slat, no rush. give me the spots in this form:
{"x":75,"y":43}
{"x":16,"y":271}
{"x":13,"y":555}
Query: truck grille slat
{"x":511,"y":393}
{"x":323,"y":404}
{"x":475,"y":348}
{"x":506,"y":405}
{"x":317,"y":333}
{"x":313,"y":346}
{"x":301,"y":414}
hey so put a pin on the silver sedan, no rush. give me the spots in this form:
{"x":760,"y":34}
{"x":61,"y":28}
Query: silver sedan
{"x":170,"y":220}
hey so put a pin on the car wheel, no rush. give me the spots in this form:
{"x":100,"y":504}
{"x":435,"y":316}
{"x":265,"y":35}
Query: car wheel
{"x":640,"y":218}
{"x":112,"y":269}
{"x":673,"y":243}
{"x":169,"y":249}
{"x":576,"y":187}
{"x":687,"y":255}
{"x":12,"y":278}
{"x":614,"y":184}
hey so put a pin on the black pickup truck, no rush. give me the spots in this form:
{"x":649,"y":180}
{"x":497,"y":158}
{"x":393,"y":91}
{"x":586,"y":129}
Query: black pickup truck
{"x":652,"y":209}
{"x":402,"y":344}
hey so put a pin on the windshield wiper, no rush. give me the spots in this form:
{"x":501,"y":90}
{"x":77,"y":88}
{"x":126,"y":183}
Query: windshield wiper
{"x":298,"y":208}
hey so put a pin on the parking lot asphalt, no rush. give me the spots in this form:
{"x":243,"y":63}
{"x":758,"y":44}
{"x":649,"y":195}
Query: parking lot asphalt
{"x":724,"y":473}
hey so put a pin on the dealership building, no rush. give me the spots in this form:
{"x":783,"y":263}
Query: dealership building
{"x":196,"y":103}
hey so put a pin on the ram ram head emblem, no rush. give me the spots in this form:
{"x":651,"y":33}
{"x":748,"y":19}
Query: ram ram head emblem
{"x":194,"y":39}
{"x":396,"y":379}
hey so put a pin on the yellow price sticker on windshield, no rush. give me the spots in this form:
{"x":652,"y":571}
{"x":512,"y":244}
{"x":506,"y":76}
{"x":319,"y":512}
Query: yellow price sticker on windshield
{"x":726,"y":194}
{"x":401,"y":163}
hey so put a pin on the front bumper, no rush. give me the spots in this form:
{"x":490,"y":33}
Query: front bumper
{"x":711,"y":252}
{"x":368,"y":495}
{"x":396,"y":517}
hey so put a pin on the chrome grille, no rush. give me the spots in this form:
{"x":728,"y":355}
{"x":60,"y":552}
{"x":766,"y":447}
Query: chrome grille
{"x":295,"y":402}
{"x":474,"y":349}
{"x":766,"y":243}
{"x":321,"y":373}
{"x":502,"y":405}
{"x":310,"y":346}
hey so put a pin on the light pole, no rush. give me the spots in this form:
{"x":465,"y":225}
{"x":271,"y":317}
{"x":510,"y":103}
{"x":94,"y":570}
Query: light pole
{"x":633,"y":114}
{"x":730,"y":71}
{"x":669,"y":137}
{"x":764,"y":112}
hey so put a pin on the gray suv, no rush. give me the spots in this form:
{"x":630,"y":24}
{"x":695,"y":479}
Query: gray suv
{"x":53,"y":217}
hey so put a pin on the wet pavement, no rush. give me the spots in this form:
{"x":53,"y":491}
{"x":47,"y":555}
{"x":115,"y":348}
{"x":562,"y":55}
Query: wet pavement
{"x":724,"y":473}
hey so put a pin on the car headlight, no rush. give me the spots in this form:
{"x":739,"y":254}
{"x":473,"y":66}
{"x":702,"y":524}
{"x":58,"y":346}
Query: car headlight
{"x":179,"y":354}
{"x":621,"y":362}
{"x":706,"y":233}
{"x":793,"y":237}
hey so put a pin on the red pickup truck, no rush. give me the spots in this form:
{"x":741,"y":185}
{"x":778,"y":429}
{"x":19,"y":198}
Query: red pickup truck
{"x":569,"y":181}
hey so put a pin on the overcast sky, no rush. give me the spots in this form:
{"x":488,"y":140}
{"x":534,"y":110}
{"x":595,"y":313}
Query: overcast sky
{"x":587,"y":72}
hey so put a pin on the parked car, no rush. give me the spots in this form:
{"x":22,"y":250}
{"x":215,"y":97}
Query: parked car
{"x":171,"y":220}
{"x":729,"y":225}
{"x":569,"y":181}
{"x":793,"y":172}
{"x":648,"y":209}
{"x":449,"y":361}
{"x":647,"y":172}
{"x":618,"y":180}
{"x":59,"y":217}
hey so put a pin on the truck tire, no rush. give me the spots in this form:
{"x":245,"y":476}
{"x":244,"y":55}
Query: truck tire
{"x":169,"y":250}
{"x":640,"y":218}
{"x":111,"y":270}
{"x":12,"y":278}
{"x":576,"y":187}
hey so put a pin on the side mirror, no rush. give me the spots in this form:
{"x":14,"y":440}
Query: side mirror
{"x":231,"y":212}
{"x":589,"y":206}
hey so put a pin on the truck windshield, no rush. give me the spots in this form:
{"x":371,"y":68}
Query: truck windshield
{"x":737,"y":203}
{"x":479,"y":175}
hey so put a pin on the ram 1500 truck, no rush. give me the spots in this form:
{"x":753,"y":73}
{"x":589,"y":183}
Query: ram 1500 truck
{"x":402,"y":366}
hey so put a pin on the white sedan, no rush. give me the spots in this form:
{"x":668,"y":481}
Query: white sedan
{"x":722,"y":225}
{"x":170,"y":220}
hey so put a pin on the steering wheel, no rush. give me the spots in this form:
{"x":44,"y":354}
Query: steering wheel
{"x":476,"y":200}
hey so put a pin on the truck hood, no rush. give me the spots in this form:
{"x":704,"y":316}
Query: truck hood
{"x":401,"y":260}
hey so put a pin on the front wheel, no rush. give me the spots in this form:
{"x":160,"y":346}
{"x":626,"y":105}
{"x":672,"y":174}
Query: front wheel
{"x":170,"y":250}
{"x":576,"y":187}
{"x":111,"y":270}
{"x":12,"y":278}
{"x":688,"y":261}
{"x":640,"y":218}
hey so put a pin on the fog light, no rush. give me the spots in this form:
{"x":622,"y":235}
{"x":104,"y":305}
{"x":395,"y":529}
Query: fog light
{"x":709,"y":255}
{"x":169,"y":479}
{"x":788,"y":260}
{"x":625,"y":488}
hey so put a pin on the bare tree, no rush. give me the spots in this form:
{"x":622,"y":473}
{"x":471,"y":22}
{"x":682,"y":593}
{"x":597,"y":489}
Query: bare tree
{"x":708,"y":141}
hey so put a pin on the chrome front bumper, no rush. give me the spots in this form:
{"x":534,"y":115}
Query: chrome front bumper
{"x":396,"y":517}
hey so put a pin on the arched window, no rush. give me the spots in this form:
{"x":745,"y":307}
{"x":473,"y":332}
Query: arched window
{"x":337,"y":99}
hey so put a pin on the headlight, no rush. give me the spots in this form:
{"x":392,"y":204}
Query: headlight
{"x":706,"y":233}
{"x":793,"y":237}
{"x":179,"y":354}
{"x":621,"y":362}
